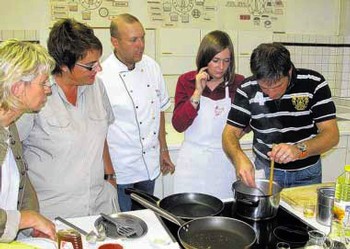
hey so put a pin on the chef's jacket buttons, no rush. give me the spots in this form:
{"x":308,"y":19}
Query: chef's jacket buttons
{"x":123,"y":75}
{"x":141,"y":122}
{"x":18,"y":157}
{"x":20,"y":187}
{"x":143,"y":138}
{"x":13,"y":142}
{"x":152,"y":101}
{"x":23,"y":172}
{"x":143,"y":152}
{"x":148,"y":85}
{"x":137,"y":107}
{"x":154,"y":133}
{"x":131,"y":91}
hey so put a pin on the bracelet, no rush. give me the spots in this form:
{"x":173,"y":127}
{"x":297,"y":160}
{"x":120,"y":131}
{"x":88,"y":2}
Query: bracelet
{"x":194,"y":101}
{"x":108,"y":177}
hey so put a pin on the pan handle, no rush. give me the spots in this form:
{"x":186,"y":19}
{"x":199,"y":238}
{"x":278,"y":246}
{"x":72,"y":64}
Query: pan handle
{"x":143,"y":194}
{"x":165,"y":214}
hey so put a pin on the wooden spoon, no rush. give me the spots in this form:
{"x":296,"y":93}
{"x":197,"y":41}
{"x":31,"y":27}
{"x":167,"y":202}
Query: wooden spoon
{"x":272,"y":167}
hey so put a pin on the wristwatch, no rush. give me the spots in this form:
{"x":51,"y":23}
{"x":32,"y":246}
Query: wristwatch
{"x":109,"y":177}
{"x":194,"y":101}
{"x":303,"y":149}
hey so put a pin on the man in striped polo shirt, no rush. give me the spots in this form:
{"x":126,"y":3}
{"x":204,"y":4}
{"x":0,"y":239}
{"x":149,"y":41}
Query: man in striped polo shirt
{"x":292,"y":115}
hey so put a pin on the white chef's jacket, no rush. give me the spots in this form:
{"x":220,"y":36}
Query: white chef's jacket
{"x":63,"y":146}
{"x":137,"y":98}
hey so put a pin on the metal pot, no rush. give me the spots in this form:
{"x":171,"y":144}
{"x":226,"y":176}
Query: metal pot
{"x":256,"y":203}
{"x":325,"y":201}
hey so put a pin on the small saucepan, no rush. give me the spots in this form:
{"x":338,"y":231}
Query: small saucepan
{"x":207,"y":232}
{"x":256,"y":203}
{"x":186,"y":206}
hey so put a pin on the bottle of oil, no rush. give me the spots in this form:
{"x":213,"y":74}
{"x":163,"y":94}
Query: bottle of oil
{"x":340,"y":226}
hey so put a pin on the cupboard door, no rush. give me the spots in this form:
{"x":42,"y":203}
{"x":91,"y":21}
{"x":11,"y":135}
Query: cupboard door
{"x":333,"y":161}
{"x":177,"y":50}
{"x":178,"y":42}
{"x":247,"y":42}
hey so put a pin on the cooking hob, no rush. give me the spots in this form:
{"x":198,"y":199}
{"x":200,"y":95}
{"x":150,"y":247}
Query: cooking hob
{"x":284,"y":227}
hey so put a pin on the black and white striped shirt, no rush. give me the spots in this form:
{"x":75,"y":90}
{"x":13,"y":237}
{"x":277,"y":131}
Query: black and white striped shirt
{"x":290,"y":119}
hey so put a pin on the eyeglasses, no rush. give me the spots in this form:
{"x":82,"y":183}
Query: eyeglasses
{"x":45,"y":83}
{"x":88,"y":67}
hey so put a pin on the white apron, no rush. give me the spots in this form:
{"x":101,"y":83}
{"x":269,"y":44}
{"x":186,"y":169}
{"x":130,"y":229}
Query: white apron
{"x":202,"y":165}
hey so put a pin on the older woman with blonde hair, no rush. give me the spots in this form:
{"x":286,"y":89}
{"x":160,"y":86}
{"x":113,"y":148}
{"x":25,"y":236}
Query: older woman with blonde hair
{"x":24,"y":70}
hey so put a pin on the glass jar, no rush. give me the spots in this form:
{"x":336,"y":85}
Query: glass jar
{"x":318,"y":240}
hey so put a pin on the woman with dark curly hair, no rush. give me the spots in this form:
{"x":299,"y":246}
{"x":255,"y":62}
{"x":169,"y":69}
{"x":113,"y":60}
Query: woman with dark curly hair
{"x":64,"y":144}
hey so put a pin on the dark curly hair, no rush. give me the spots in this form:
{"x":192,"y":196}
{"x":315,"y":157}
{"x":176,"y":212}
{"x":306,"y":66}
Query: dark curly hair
{"x":270,"y":61}
{"x":69,"y":41}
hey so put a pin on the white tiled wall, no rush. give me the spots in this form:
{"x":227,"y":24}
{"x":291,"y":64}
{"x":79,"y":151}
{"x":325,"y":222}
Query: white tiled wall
{"x":332,"y":62}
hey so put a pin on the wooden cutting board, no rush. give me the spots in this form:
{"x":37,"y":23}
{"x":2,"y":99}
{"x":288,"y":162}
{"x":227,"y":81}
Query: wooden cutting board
{"x":298,"y":196}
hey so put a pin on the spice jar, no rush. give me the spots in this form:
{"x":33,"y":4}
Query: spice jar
{"x":69,"y":239}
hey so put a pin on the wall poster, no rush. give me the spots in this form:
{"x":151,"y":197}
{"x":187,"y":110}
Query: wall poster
{"x":182,"y":13}
{"x":268,"y":15}
{"x":96,"y":13}
{"x":236,"y":14}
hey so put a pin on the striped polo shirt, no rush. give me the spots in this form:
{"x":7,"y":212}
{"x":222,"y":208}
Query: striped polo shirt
{"x":290,"y":119}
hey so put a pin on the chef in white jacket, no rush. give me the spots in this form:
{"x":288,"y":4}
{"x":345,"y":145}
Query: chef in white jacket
{"x":138,"y":95}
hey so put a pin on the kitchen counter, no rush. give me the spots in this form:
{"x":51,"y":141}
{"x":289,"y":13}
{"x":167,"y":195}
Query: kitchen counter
{"x":162,"y":234}
{"x":311,"y":222}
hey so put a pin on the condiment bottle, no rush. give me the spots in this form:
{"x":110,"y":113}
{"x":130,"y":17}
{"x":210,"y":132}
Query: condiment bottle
{"x":69,"y":239}
{"x":340,"y":225}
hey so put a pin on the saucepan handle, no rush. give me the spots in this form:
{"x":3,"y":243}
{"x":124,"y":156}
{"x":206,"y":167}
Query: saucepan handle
{"x":165,"y":214}
{"x":143,"y":194}
{"x":248,"y":202}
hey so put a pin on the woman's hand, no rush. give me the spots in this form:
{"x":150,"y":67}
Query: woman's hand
{"x":202,"y":78}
